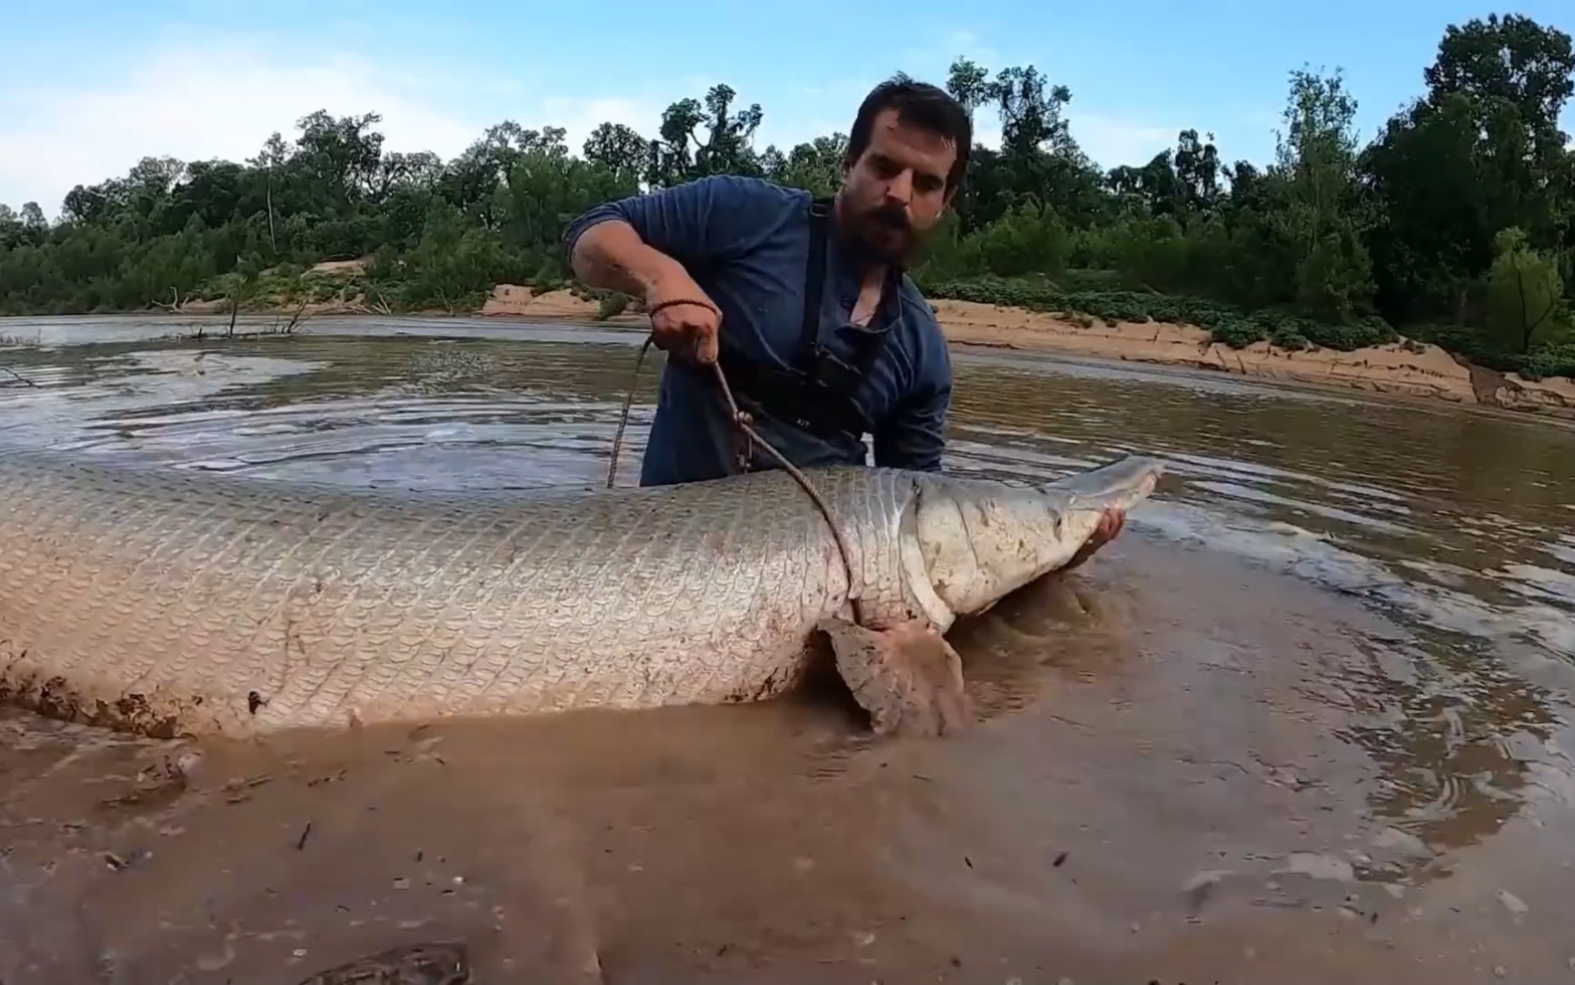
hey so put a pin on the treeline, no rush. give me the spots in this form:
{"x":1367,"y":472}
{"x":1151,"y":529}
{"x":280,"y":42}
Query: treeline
{"x":1455,"y":223}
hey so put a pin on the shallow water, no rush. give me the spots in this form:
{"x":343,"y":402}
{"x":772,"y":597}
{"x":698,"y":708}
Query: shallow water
{"x":1307,"y":720}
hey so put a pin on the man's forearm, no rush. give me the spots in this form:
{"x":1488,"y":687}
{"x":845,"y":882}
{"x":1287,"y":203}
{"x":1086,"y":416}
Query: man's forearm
{"x":610,"y":255}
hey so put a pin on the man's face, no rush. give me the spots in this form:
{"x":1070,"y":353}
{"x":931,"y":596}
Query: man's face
{"x":894,"y":194}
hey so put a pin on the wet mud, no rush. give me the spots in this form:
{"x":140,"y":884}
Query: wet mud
{"x":1307,"y":720}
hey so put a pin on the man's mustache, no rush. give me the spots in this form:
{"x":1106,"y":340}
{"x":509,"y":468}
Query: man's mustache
{"x":894,"y":216}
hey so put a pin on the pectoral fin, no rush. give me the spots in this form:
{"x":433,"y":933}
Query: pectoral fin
{"x":906,"y":676}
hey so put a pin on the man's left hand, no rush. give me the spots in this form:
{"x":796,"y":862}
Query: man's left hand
{"x":1109,"y":526}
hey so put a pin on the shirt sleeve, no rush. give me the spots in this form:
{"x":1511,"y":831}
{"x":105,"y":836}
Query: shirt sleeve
{"x":697,"y":222}
{"x":915,"y":436}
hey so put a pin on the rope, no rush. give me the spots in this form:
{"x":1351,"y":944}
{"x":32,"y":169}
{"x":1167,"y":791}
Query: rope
{"x":628,"y":402}
{"x":745,"y":425}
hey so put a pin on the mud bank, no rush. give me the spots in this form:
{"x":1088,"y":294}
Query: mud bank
{"x":1407,"y":368}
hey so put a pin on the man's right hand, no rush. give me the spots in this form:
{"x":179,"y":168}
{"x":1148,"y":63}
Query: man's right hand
{"x":684,"y":319}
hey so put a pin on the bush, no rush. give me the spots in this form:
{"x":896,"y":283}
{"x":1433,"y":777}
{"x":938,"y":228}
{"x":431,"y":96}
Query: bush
{"x":1227,"y":324}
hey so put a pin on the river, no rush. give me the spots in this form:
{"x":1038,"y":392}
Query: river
{"x":1306,"y":720}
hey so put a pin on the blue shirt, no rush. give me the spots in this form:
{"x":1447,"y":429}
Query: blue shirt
{"x":746,"y":243}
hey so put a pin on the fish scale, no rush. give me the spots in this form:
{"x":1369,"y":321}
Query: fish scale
{"x":179,"y":602}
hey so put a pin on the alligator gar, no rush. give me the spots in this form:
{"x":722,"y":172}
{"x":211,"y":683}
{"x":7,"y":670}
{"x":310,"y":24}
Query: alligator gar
{"x":170,"y":602}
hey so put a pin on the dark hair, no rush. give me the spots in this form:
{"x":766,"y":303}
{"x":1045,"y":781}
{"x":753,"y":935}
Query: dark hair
{"x":923,"y":105}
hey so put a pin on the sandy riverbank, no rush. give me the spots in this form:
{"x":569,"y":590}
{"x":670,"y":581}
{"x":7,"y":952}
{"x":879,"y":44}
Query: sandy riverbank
{"x":1407,"y":368}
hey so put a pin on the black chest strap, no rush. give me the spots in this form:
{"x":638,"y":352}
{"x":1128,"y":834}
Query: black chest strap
{"x":817,"y":393}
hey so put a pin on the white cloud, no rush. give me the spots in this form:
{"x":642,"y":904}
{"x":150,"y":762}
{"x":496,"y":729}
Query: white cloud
{"x":222,"y":100}
{"x":937,"y":55}
{"x":1112,"y":142}
{"x":578,"y":117}
{"x":199,"y":102}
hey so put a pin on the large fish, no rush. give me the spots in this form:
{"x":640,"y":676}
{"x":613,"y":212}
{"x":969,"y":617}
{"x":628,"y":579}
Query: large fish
{"x":179,"y":603}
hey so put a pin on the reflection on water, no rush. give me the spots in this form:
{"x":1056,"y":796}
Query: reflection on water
{"x":1453,"y":530}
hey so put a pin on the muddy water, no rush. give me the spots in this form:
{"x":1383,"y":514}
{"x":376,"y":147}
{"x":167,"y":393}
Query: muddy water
{"x":1306,"y":721}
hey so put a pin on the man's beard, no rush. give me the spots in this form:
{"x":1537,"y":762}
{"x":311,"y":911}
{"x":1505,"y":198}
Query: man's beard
{"x":885,"y":235}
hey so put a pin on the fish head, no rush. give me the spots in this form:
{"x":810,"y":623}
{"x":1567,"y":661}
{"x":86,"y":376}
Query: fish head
{"x":982,"y":540}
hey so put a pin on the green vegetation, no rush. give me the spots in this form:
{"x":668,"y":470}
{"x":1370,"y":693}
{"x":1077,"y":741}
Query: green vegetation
{"x":1456,"y":223}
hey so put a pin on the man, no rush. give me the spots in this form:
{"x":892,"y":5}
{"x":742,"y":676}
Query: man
{"x":804,"y":303}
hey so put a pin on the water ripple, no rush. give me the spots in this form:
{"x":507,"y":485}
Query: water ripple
{"x":1461,"y":526}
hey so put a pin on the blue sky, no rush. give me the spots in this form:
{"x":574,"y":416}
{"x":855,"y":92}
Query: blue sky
{"x":87,"y":88}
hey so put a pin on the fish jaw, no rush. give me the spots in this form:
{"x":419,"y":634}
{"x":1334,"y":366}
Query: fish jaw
{"x":981,"y":541}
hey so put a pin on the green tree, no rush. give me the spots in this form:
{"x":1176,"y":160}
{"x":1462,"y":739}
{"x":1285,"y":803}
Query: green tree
{"x":1525,"y":293}
{"x":815,"y":166}
{"x":619,"y":149}
{"x":969,"y":84}
{"x":1456,"y":221}
{"x":681,"y":153}
{"x":1479,"y":152}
